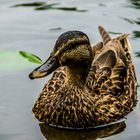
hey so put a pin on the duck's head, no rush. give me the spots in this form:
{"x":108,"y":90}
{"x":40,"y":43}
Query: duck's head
{"x":72,"y":49}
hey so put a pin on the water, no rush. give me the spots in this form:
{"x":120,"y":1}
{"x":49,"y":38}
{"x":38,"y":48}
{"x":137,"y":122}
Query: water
{"x":35,"y":31}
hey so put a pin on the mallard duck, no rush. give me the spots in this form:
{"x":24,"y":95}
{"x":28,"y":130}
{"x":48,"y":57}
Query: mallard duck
{"x":91,"y":85}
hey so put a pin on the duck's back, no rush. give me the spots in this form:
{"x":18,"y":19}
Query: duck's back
{"x":112,"y":79}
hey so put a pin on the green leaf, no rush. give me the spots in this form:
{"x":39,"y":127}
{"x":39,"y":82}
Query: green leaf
{"x":128,"y":20}
{"x":52,"y":7}
{"x":31,"y":57}
{"x":11,"y":61}
{"x":114,"y":33}
{"x":46,"y":6}
{"x":34,"y":4}
{"x":136,"y":34}
{"x":137,"y":54}
{"x":55,"y":29}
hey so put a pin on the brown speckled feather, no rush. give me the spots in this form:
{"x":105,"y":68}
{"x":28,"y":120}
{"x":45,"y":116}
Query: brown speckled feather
{"x":110,"y":90}
{"x":106,"y":38}
{"x":114,"y":76}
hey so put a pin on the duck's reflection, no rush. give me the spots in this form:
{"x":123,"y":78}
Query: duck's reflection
{"x":51,"y":133}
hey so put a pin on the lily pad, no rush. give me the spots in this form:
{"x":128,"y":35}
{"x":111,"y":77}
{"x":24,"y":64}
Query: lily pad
{"x":31,"y":57}
{"x":13,"y":61}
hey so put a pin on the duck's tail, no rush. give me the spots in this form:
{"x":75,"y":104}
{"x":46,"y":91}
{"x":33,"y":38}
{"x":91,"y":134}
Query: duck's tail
{"x":123,"y":38}
{"x":105,"y":36}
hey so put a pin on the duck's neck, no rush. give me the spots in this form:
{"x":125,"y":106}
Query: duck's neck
{"x":76,"y":76}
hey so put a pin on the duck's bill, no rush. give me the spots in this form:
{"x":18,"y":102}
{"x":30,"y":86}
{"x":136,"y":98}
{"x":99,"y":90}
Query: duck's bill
{"x":45,"y":69}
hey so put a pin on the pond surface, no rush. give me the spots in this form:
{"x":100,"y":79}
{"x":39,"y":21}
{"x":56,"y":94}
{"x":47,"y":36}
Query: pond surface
{"x":27,"y":27}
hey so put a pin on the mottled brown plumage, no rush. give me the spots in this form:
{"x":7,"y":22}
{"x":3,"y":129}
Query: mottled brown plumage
{"x":90,"y":86}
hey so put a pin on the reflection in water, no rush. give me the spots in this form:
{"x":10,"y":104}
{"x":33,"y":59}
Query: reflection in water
{"x":51,"y":133}
{"x":46,"y":6}
{"x":135,"y":3}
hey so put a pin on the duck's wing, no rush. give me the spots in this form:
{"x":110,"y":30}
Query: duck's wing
{"x":96,"y":48}
{"x":112,"y":71}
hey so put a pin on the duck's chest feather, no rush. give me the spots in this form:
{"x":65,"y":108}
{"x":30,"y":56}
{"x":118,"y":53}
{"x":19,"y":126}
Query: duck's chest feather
{"x":76,"y":108}
{"x":68,"y":108}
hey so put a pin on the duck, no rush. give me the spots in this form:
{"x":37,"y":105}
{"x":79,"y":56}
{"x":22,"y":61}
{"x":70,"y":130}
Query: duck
{"x":91,"y":85}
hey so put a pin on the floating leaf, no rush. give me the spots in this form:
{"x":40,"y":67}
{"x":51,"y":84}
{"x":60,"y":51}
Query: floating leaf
{"x":137,"y":21}
{"x":70,"y":9}
{"x":34,"y":4}
{"x":115,"y":33}
{"x":46,"y":6}
{"x":51,"y":6}
{"x":102,"y":4}
{"x":31,"y":57}
{"x":55,"y":29}
{"x":128,"y":20}
{"x":137,"y":54}
{"x":136,"y":34}
{"x":135,"y":4}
